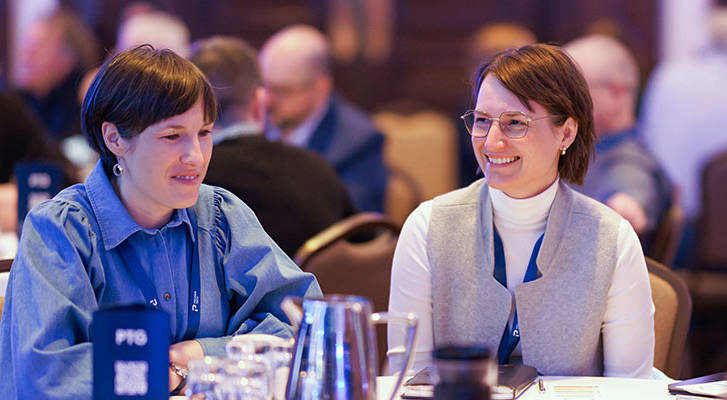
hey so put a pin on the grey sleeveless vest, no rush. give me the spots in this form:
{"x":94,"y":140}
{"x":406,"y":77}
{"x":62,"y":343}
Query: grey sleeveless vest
{"x":560,"y":313}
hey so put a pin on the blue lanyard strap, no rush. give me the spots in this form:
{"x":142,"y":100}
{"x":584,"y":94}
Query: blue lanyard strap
{"x":149,"y":290}
{"x":511,"y":335}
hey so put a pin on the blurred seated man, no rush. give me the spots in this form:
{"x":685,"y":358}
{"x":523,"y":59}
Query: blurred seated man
{"x":624,"y":175}
{"x":304,"y":111}
{"x":294,"y":192}
{"x":22,"y":139}
{"x":53,"y":57}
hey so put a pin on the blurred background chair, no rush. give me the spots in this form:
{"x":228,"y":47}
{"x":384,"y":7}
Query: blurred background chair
{"x":706,"y":275}
{"x":712,"y":223}
{"x":668,"y":234}
{"x":403,"y":195}
{"x":4,"y":272}
{"x":671,"y":318}
{"x":5,"y":265}
{"x":421,"y":143}
{"x":707,"y":279}
{"x":353,"y":256}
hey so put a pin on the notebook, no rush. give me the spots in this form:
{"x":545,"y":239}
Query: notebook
{"x":512,"y":380}
{"x":710,"y":386}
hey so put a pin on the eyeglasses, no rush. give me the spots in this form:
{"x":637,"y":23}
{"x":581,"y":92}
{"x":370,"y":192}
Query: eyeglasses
{"x":514,"y":124}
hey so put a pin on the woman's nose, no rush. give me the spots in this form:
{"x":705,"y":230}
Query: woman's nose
{"x":495,"y":137}
{"x":193,"y":152}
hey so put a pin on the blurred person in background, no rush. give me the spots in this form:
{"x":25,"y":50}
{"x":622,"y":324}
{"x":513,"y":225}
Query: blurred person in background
{"x":142,"y":229}
{"x":683,"y":120}
{"x":58,"y":50}
{"x":304,"y":111}
{"x":293,"y":191}
{"x":623,"y":174}
{"x":157,"y":28}
{"x":487,"y":41}
{"x":23,"y":138}
{"x":142,"y":24}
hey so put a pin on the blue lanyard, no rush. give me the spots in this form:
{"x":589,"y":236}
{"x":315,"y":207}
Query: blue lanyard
{"x":511,"y":335}
{"x":149,"y":290}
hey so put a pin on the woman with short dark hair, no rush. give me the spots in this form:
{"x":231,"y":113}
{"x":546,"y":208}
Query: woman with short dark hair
{"x":518,"y":261}
{"x":141,"y":229}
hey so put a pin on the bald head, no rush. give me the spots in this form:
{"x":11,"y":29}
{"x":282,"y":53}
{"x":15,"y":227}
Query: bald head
{"x":604,"y":58}
{"x":159,"y":29}
{"x":613,"y":79}
{"x":300,"y":50}
{"x":295,"y":64}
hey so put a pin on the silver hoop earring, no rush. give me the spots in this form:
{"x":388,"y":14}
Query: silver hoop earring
{"x":562,"y":151}
{"x":117,"y":169}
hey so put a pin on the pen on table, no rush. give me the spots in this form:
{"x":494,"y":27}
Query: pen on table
{"x":541,"y":385}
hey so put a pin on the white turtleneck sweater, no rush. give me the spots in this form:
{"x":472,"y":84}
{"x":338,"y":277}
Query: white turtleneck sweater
{"x":628,"y":325}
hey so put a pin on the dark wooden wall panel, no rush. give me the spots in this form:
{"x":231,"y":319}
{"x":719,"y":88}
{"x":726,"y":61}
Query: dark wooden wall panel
{"x":426,"y":65}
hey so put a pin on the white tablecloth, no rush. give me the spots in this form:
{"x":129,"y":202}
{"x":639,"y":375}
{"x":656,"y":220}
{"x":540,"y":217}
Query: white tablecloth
{"x":581,"y":388}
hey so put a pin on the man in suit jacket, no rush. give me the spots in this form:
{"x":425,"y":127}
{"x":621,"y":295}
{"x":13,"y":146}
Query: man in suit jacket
{"x":304,"y":111}
{"x":294,"y":192}
{"x":624,"y":174}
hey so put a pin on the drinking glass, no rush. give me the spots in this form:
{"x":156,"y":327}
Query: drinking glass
{"x":245,"y":380}
{"x":274,"y":352}
{"x":203,"y":378}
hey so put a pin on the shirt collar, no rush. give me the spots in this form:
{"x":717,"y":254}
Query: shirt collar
{"x":523,"y":213}
{"x":300,"y":136}
{"x":115,"y":222}
{"x":236,"y":130}
{"x":609,"y":141}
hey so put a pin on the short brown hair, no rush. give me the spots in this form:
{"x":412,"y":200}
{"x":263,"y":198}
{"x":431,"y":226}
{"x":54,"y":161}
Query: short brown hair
{"x":232,"y":67}
{"x":546,"y":75}
{"x":138,"y":88}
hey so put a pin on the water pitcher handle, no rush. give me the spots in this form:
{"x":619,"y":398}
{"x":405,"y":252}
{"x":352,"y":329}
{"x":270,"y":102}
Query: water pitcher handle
{"x":411,"y":321}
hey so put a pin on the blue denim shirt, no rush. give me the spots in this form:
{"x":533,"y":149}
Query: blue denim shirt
{"x":69,"y":264}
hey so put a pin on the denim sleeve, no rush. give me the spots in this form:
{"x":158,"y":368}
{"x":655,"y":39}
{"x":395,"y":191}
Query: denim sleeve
{"x":45,"y":327}
{"x":258,"y":275}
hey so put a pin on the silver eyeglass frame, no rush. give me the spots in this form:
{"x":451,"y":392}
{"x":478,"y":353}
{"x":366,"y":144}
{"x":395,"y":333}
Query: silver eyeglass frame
{"x":507,"y":132}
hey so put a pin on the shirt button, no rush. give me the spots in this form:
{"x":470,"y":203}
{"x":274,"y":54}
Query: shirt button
{"x":167,"y":296}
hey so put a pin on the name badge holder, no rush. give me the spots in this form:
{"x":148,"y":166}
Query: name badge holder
{"x":130,"y":353}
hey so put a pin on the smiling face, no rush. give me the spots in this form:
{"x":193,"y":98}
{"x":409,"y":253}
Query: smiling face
{"x":526,"y":166}
{"x":164,"y":165}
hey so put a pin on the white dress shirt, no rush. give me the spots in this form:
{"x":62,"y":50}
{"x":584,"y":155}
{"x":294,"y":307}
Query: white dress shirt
{"x":628,"y":331}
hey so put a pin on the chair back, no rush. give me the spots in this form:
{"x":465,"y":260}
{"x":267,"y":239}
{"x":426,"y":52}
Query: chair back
{"x":668,"y":234}
{"x":671,"y":318}
{"x":712,"y":223}
{"x":354,"y":256}
{"x":5,"y":265}
{"x":4,"y":268}
{"x":422,"y":143}
{"x":403,"y":194}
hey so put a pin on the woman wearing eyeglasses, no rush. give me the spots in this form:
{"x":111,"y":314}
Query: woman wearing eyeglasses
{"x":518,"y":261}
